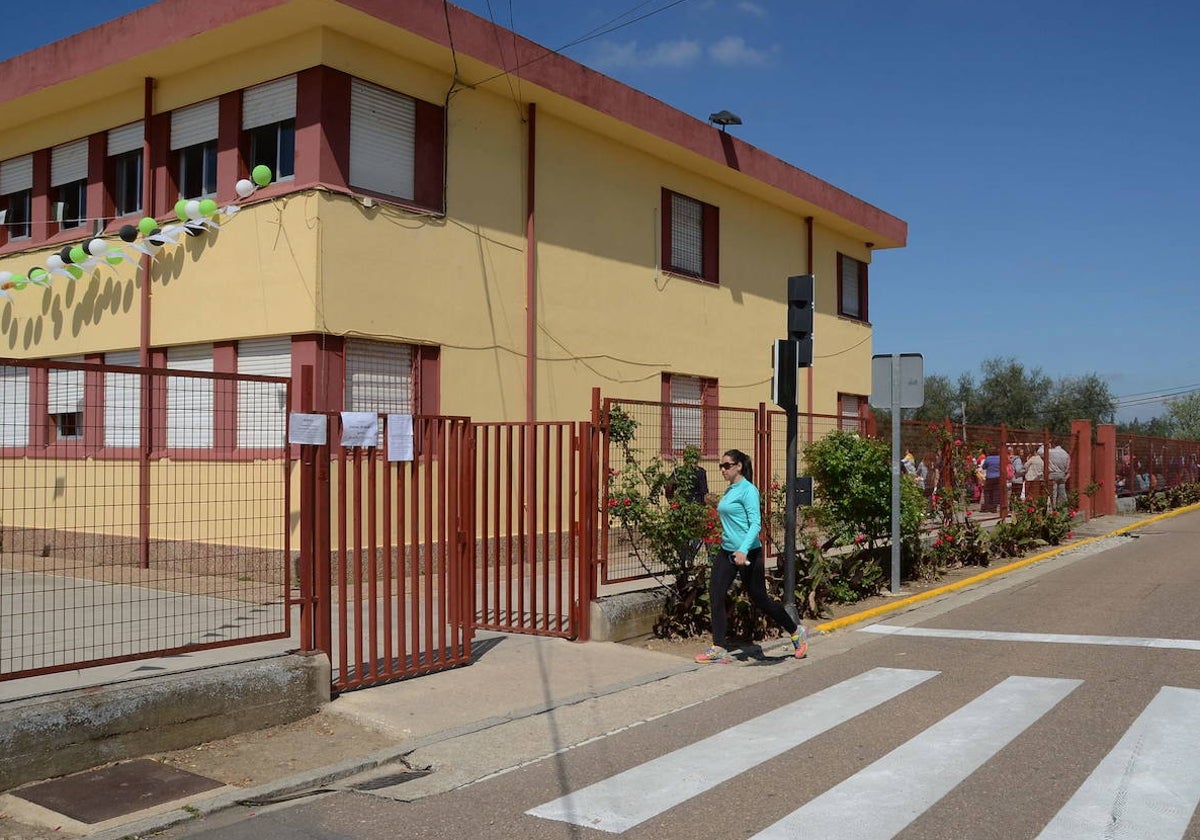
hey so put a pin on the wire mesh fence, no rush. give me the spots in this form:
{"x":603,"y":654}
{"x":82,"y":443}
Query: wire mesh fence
{"x":141,"y":512}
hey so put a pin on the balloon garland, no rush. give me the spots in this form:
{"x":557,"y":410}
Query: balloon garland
{"x":196,"y":217}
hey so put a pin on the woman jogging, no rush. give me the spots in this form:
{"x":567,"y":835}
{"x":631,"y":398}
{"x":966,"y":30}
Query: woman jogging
{"x":741,"y":555}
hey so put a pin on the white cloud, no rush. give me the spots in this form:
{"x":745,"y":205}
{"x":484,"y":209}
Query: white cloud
{"x":663,"y":54}
{"x":733,"y":50}
{"x":751,"y":8}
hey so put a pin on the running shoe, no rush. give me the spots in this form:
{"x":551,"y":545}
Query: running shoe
{"x":713,"y":655}
{"x":800,"y":642}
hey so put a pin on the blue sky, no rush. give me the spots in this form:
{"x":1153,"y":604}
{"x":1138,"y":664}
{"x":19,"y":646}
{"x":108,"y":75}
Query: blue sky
{"x":1046,"y":155}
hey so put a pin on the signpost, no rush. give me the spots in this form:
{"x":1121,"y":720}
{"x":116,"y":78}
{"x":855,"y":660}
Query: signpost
{"x":897,"y":381}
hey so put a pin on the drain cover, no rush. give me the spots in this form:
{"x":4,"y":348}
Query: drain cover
{"x":98,"y":795}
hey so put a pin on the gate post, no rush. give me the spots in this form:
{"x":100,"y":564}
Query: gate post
{"x":1104,"y":470}
{"x":587,"y":436}
{"x":1081,"y":465}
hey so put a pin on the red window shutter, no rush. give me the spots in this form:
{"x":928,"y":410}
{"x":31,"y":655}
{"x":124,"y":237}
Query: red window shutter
{"x":665,"y":425}
{"x":710,"y":418}
{"x":665,"y":257}
{"x":711,"y":227}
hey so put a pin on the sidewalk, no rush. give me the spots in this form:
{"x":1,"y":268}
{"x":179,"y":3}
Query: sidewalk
{"x":523,"y":698}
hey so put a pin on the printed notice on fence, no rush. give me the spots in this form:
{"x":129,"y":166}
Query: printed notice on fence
{"x":360,"y":428}
{"x":399,"y":437}
{"x":307,"y":428}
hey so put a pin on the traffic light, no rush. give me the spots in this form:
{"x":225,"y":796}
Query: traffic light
{"x":800,"y":316}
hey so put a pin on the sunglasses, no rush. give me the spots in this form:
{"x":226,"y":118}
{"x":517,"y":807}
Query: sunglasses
{"x":726,"y":465}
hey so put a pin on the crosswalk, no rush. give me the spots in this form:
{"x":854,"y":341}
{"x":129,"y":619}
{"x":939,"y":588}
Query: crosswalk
{"x":1146,"y":788}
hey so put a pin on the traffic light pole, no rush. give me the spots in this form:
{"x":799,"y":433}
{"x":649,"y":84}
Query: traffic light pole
{"x":789,"y":520}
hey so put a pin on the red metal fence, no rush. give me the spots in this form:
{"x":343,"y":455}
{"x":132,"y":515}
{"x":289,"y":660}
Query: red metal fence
{"x":142,"y":512}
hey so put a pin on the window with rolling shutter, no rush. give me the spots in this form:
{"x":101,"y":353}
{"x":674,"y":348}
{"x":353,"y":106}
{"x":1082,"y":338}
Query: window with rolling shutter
{"x":65,"y":401}
{"x":194,"y":145}
{"x":382,"y":140}
{"x":850,"y":412}
{"x":122,"y":401}
{"x":190,"y":400}
{"x":852,"y":288}
{"x":125,"y":168}
{"x":269,"y":120}
{"x":685,"y":422}
{"x":16,"y":196}
{"x":14,"y":406}
{"x":68,"y":182}
{"x":262,"y":406}
{"x":690,"y":236}
{"x":379,"y":377}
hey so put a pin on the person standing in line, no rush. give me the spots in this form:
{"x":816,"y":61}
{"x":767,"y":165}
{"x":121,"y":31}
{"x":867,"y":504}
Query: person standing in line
{"x":1058,"y":467}
{"x":1016,"y":475}
{"x":741,"y":556}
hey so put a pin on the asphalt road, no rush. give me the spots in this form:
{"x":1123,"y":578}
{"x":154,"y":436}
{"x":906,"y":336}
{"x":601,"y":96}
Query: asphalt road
{"x":1064,"y":706}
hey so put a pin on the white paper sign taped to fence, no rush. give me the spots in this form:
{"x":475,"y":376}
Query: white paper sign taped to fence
{"x":308,"y":428}
{"x":360,"y":428}
{"x":399,"y":437}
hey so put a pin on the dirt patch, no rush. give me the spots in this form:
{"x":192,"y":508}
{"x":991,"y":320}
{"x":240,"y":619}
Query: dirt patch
{"x":255,"y":758}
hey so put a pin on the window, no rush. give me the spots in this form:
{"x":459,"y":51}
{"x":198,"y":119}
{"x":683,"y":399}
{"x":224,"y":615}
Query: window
{"x":190,"y":399}
{"x":68,"y":183}
{"x":690,"y":235}
{"x":269,"y":121}
{"x":262,"y":406}
{"x":852,"y":288}
{"x":65,"y":401}
{"x":16,"y":196}
{"x":125,"y":169}
{"x":14,"y":406}
{"x":850,"y":408}
{"x":683,"y":425}
{"x":382,"y":140}
{"x":379,"y":377}
{"x":194,"y":146}
{"x":122,"y":401}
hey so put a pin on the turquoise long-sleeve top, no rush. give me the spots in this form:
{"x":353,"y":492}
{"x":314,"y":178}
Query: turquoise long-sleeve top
{"x":741,"y":517}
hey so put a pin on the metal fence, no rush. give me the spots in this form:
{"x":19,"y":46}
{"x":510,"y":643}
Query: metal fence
{"x":1146,"y":464}
{"x":142,"y":512}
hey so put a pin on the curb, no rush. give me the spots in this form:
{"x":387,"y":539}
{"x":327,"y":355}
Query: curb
{"x":884,"y":609}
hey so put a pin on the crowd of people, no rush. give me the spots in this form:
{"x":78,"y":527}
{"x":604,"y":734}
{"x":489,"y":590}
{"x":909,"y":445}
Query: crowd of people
{"x":1025,"y":469}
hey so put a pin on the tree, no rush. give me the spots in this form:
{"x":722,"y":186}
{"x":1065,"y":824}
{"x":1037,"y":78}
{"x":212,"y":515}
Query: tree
{"x":1154,"y":427}
{"x":1085,"y":397}
{"x":942,"y":399}
{"x":1008,"y":393}
{"x":1183,"y":413}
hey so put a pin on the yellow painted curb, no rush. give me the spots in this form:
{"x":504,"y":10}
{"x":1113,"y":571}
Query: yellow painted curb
{"x":883,"y":609}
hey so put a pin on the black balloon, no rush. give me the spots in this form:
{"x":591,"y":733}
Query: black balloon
{"x":128,"y":233}
{"x":193,"y":229}
{"x":65,"y":253}
{"x":154,"y":237}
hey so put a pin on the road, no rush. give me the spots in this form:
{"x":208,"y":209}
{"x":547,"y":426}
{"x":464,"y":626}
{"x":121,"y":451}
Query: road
{"x":1063,"y":707}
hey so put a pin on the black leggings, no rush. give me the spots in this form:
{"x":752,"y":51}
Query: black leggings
{"x":754,"y":578}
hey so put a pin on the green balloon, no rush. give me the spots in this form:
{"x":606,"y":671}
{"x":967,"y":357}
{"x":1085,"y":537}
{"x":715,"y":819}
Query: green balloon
{"x":18,"y":279}
{"x":114,"y":260}
{"x":261,"y":175}
{"x":180,"y":209}
{"x":20,"y":284}
{"x":146,"y":225}
{"x":75,"y":271}
{"x":78,"y":255}
{"x":208,"y":208}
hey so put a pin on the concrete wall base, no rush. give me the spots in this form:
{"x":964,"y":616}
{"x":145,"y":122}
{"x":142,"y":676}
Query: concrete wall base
{"x":55,"y":735}
{"x":631,"y":615}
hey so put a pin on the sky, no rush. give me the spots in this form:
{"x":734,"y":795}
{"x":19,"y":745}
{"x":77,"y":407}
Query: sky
{"x":1044,"y":153}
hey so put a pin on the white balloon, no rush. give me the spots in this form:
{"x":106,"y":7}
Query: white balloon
{"x":192,"y":209}
{"x":5,"y":276}
{"x":244,"y":187}
{"x":54,"y":261}
{"x":97,"y":247}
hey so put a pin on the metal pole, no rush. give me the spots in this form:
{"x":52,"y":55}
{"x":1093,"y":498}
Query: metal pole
{"x":789,"y":519}
{"x":896,"y":456}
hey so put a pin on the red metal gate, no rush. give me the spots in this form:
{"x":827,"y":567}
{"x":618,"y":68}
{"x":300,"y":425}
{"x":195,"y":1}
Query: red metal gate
{"x":490,"y":526}
{"x":536,"y":512}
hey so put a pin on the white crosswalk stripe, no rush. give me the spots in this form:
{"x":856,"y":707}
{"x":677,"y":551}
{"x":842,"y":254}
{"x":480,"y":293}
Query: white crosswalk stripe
{"x":1148,"y":787}
{"x":627,"y":799}
{"x":911,"y":778}
{"x":1041,"y":638}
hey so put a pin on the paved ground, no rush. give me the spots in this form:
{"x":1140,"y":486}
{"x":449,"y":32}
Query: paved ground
{"x":495,"y":712}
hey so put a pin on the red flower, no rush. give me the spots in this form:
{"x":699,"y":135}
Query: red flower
{"x":1029,"y":509}
{"x":968,"y":513}
{"x":628,"y":502}
{"x":674,"y":505}
{"x":958,"y":443}
{"x":612,"y":503}
{"x":1070,"y":535}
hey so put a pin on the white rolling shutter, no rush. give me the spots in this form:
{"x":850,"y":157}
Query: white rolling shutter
{"x":270,"y":102}
{"x":16,"y":175}
{"x":127,"y":138}
{"x":190,"y":401}
{"x":382,"y":139}
{"x":685,"y":422}
{"x":379,"y":377}
{"x":69,"y":163}
{"x":262,"y":406}
{"x":850,"y":406}
{"x":66,"y":389}
{"x":14,"y":406}
{"x":122,"y":401}
{"x":194,"y":124}
{"x":687,"y":234}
